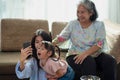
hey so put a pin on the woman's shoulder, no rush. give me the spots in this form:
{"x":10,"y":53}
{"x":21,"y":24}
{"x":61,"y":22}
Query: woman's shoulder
{"x":31,"y":61}
{"x":74,"y":21}
{"x":98,"y":22}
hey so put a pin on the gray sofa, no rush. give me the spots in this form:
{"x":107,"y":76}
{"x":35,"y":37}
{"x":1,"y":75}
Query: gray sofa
{"x":16,"y":31}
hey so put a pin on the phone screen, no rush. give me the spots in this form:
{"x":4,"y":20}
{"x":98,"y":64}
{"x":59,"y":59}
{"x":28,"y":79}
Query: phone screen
{"x":26,"y":44}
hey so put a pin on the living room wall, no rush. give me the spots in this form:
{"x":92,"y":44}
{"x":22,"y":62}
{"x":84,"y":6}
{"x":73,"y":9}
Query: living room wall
{"x":52,"y":10}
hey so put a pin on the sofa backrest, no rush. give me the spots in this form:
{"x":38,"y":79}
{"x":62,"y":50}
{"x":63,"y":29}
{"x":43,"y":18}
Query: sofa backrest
{"x":16,"y":31}
{"x":113,"y":38}
{"x":57,"y":27}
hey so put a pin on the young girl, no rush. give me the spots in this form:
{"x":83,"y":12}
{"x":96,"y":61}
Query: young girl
{"x":55,"y":68}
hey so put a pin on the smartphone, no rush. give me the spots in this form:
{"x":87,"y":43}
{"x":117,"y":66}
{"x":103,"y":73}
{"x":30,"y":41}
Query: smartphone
{"x":25,"y":45}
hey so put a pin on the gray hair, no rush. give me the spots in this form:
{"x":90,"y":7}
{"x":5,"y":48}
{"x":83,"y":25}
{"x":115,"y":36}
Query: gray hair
{"x":90,"y":6}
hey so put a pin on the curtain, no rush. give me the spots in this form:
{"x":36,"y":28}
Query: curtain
{"x":114,"y":11}
{"x":11,"y":8}
{"x":52,"y":10}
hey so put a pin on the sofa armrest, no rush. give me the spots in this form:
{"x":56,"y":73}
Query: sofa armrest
{"x":113,"y":38}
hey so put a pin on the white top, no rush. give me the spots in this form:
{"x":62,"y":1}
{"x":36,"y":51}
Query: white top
{"x":83,"y":38}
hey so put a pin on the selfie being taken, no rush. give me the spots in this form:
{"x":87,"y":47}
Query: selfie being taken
{"x":59,"y":40}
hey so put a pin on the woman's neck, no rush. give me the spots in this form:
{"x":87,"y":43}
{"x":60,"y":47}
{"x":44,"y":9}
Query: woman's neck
{"x":85,"y":24}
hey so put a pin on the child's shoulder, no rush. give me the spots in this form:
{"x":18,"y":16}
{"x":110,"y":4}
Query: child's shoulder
{"x":55,"y":61}
{"x":52,"y":60}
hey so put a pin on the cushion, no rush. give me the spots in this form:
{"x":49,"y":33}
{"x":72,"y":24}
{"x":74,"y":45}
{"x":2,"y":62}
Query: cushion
{"x":16,"y":31}
{"x":113,"y":38}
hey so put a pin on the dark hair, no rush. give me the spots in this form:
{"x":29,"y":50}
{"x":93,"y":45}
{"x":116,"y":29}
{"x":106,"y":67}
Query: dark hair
{"x":90,"y":6}
{"x":45,"y":36}
{"x":50,"y":47}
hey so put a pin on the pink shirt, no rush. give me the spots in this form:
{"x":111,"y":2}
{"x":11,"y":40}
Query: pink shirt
{"x":52,"y":66}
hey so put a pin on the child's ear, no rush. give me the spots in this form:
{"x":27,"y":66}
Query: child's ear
{"x":49,"y":53}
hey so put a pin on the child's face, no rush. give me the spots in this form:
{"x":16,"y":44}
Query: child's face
{"x":38,"y":41}
{"x":42,"y":53}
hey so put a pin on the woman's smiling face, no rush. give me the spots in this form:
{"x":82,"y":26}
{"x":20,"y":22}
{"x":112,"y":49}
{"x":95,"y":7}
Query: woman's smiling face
{"x":38,"y":41}
{"x":83,"y":14}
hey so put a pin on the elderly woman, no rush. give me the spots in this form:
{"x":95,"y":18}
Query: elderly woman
{"x":86,"y":55}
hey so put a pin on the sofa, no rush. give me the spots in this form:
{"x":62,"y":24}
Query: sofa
{"x":16,"y":31}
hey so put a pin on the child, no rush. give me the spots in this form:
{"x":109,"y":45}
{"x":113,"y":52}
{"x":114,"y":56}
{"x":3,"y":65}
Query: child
{"x":55,"y":68}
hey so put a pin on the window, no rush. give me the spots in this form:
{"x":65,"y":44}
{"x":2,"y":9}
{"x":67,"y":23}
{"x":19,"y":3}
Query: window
{"x":60,"y":10}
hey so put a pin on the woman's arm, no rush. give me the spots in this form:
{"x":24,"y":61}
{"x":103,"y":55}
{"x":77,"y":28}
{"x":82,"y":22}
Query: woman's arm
{"x":64,"y":35}
{"x":80,"y":58}
{"x":23,"y":69}
{"x":24,"y":54}
{"x":58,"y":40}
{"x":26,"y":72}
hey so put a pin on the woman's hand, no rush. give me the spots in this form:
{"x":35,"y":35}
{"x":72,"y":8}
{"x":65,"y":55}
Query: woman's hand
{"x":24,"y":54}
{"x":80,"y":58}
